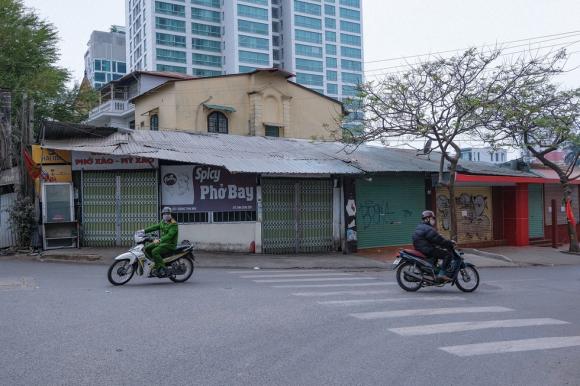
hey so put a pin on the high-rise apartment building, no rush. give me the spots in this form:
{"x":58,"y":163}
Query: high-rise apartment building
{"x":318,"y":40}
{"x":105,"y":56}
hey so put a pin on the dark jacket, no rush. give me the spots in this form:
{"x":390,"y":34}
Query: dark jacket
{"x":426,"y":238}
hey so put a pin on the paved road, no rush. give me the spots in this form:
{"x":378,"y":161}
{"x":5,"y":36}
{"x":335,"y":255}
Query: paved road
{"x":64,"y":324}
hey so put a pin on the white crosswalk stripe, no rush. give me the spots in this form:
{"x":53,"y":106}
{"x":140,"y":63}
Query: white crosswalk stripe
{"x":338,"y":293}
{"x":508,"y":346}
{"x":313,"y":279}
{"x":427,"y":312}
{"x":257,"y":271}
{"x":387,"y":300}
{"x":295,"y":275}
{"x":333,"y":285}
{"x":431,"y":329}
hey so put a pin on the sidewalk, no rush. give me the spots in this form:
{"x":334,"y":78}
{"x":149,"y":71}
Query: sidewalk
{"x":484,"y":258}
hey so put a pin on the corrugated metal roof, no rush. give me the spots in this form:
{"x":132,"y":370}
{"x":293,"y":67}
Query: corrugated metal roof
{"x":244,"y":154}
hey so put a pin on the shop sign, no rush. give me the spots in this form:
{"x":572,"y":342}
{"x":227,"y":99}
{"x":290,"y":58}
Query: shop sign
{"x":95,"y":161}
{"x":192,"y":188}
{"x":50,"y":156}
{"x":56,"y":173}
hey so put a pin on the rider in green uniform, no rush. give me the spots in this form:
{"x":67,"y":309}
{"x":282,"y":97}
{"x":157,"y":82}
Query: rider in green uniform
{"x":167,"y":242}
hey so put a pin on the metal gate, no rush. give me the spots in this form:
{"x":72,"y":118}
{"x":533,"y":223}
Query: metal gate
{"x":116,"y":204}
{"x":297,"y":216}
{"x":7,"y":237}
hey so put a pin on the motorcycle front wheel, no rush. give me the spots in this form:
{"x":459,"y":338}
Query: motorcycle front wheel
{"x":186,"y":264}
{"x":406,"y":280}
{"x":120,"y":272}
{"x":467,"y":279}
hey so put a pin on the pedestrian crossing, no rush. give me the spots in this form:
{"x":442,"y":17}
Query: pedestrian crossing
{"x":356,"y":292}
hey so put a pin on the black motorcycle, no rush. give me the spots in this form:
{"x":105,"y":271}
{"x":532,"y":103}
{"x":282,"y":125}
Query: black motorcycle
{"x":414,"y":272}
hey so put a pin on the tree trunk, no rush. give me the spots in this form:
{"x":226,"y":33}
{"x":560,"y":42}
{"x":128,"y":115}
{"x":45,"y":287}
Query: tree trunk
{"x":452,"y":203}
{"x":571,"y":226}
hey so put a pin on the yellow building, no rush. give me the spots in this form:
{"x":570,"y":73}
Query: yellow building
{"x":260,"y":103}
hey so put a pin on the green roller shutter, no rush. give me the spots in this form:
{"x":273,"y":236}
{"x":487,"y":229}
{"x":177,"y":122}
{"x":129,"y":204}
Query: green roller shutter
{"x":535,"y":211}
{"x":388,"y":209}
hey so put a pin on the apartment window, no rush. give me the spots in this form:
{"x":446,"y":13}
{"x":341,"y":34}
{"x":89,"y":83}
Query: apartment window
{"x":253,"y":42}
{"x":352,"y":40}
{"x":207,"y":3}
{"x":330,"y":36}
{"x":330,"y":22}
{"x":206,"y":30}
{"x":259,"y":2}
{"x":206,"y":45}
{"x":331,"y":62}
{"x":169,"y":68}
{"x":170,"y":55}
{"x":276,"y":13}
{"x":352,"y":14}
{"x":276,"y":26}
{"x":170,"y":40}
{"x":273,"y":131}
{"x":304,"y":7}
{"x":351,"y":65}
{"x":245,"y":69}
{"x":217,"y":122}
{"x":309,"y":79}
{"x":304,"y":50}
{"x":329,"y":9}
{"x":348,"y":77}
{"x":252,"y":12}
{"x":330,"y":49}
{"x":350,"y":52}
{"x":332,"y":88}
{"x":100,"y":77}
{"x":204,"y":73}
{"x":154,"y":122}
{"x":349,"y":27}
{"x":253,"y":27}
{"x":169,"y":24}
{"x":206,"y":15}
{"x":308,"y":22}
{"x":350,"y":3}
{"x":121,"y":67}
{"x":307,"y":36}
{"x":206,"y":60}
{"x":309,"y":65}
{"x":169,"y":9}
{"x":331,"y":75}
{"x":349,"y":90}
{"x":276,"y":41}
{"x":254,"y":57}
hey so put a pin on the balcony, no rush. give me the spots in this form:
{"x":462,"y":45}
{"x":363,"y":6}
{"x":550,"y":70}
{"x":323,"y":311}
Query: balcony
{"x":114,"y":112}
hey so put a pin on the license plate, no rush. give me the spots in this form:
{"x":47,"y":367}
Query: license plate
{"x":396,"y":262}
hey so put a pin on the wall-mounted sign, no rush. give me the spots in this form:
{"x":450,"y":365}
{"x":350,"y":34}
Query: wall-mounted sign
{"x":95,"y":161}
{"x":191,"y":188}
{"x":50,"y":156}
{"x":56,"y":173}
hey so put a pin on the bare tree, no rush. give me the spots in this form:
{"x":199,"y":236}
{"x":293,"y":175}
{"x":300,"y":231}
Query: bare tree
{"x":543,"y":119}
{"x":444,"y":101}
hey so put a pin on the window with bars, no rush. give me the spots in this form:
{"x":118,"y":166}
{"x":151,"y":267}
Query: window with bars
{"x":234,"y":216}
{"x":217,"y":122}
{"x":191,"y":217}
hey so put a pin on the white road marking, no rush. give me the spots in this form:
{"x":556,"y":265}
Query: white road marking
{"x":513,"y":346}
{"x":281,"y":270}
{"x":386,"y":300}
{"x":296,"y":275}
{"x":313,"y":279}
{"x":334,"y":293}
{"x":428,"y":311}
{"x":430,"y":329}
{"x":332,"y":285}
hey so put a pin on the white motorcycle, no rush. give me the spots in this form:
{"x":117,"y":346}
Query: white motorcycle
{"x":179,"y":265}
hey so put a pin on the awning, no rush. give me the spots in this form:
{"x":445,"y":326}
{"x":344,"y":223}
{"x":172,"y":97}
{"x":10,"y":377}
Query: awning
{"x":508,"y":179}
{"x":226,"y":109}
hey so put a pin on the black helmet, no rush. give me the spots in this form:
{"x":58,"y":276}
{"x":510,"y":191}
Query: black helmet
{"x":426,"y":214}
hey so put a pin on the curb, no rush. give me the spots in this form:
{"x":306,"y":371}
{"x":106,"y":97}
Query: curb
{"x":490,"y":255}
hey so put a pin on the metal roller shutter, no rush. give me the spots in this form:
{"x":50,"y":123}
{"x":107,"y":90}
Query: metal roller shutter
{"x":388,"y":209}
{"x":535,"y":210}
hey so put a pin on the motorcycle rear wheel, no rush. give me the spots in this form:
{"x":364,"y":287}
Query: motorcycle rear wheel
{"x":189,"y":268}
{"x":404,"y":283}
{"x":120,"y":272}
{"x":467,"y":279}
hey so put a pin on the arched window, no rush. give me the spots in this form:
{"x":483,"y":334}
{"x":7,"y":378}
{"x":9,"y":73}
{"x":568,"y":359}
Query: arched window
{"x":154,"y":122}
{"x":217,"y":122}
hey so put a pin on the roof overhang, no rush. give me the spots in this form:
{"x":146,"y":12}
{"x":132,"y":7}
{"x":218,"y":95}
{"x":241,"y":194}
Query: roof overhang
{"x":489,"y":179}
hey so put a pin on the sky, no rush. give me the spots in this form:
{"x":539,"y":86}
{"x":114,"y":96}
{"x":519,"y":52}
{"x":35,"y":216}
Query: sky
{"x":393,"y":29}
